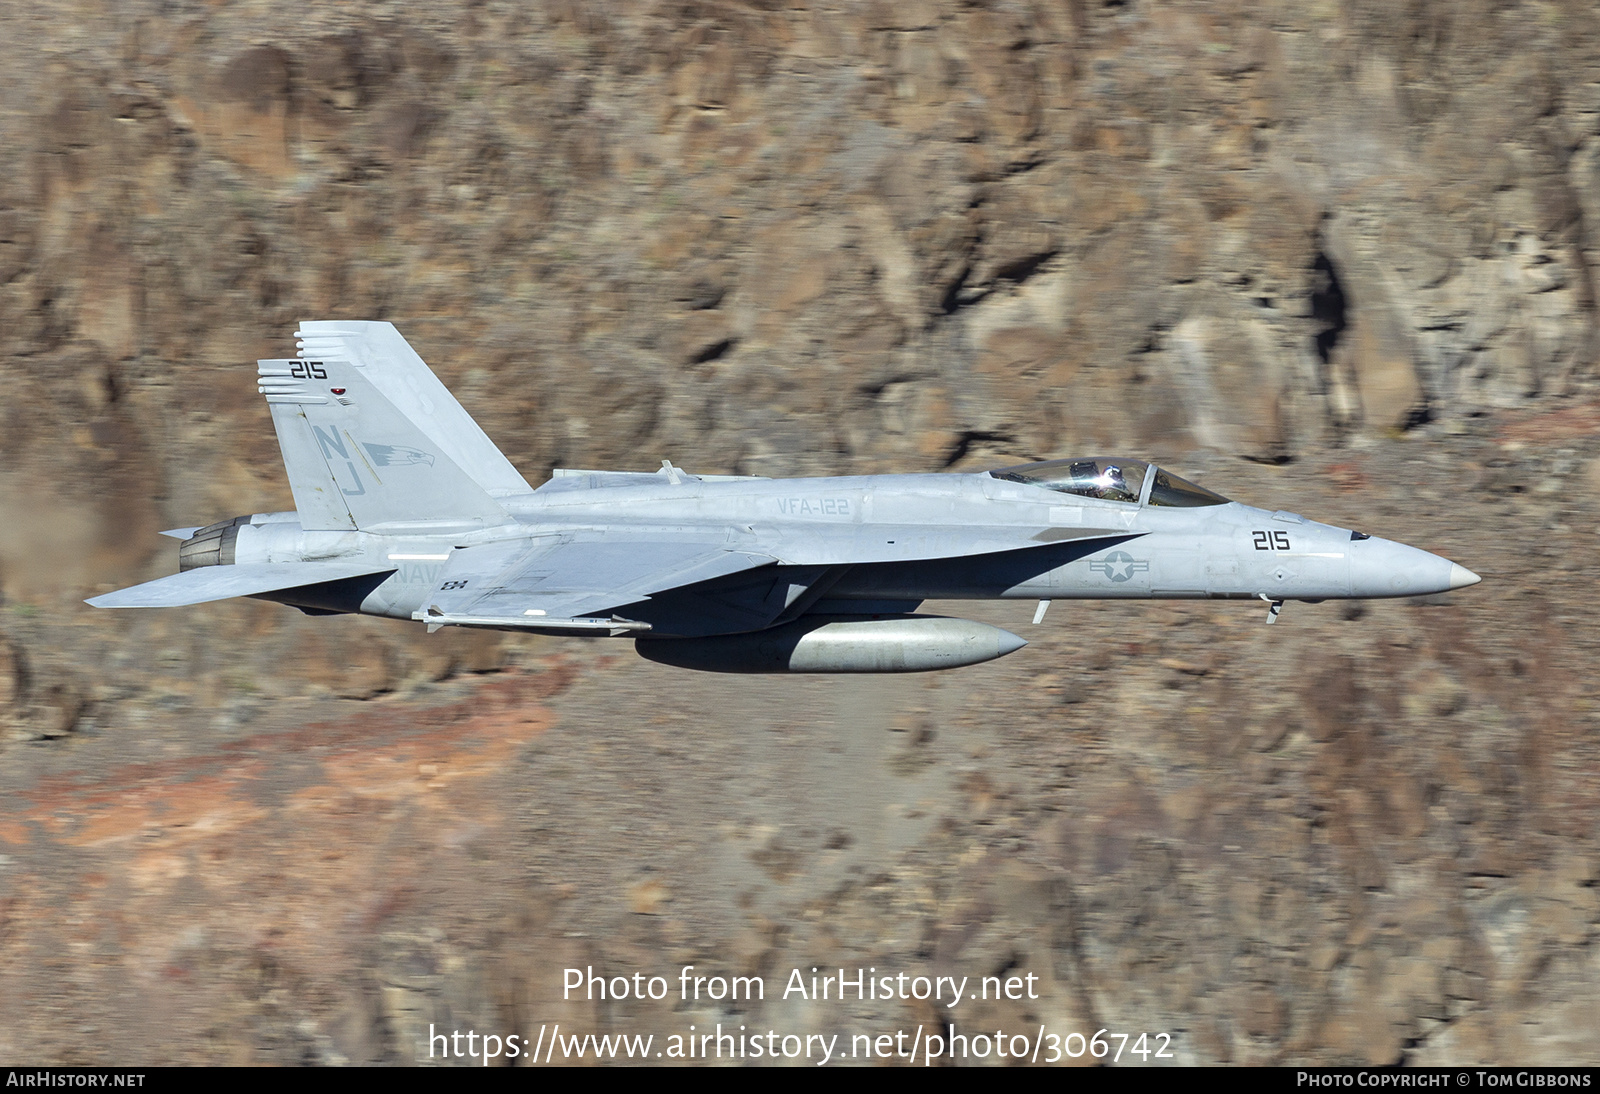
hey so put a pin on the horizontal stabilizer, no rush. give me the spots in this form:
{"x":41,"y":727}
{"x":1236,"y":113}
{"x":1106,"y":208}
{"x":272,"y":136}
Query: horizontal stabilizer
{"x":222,"y":582}
{"x":181,"y":533}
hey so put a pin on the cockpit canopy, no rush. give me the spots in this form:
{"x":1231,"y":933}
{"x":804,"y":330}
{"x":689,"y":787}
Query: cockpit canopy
{"x":1111,"y":479}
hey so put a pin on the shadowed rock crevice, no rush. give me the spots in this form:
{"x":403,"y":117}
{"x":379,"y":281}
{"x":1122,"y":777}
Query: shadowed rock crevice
{"x":713,"y":352}
{"x":971,"y":439}
{"x":1023,"y":268}
{"x":1328,"y":306}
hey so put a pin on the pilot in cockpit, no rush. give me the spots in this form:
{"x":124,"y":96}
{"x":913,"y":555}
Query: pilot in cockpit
{"x":1111,"y":484}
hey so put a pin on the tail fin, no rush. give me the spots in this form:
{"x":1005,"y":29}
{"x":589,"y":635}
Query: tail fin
{"x":371,"y":437}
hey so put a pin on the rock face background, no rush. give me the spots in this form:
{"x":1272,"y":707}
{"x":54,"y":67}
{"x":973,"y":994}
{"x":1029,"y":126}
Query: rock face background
{"x":1336,"y":257}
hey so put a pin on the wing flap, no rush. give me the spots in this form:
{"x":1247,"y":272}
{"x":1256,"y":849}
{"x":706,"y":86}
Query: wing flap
{"x":207,"y":583}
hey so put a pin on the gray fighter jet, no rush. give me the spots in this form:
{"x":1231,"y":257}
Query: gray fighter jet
{"x":404,"y":508}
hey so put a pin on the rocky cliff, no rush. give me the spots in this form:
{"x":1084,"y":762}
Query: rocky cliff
{"x":1337,"y":257}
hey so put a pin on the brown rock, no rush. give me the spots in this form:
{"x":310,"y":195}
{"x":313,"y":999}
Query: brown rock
{"x":898,"y":237}
{"x":243,"y":110}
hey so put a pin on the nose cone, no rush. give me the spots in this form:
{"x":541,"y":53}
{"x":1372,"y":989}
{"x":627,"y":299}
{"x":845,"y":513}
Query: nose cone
{"x":1381,"y":567}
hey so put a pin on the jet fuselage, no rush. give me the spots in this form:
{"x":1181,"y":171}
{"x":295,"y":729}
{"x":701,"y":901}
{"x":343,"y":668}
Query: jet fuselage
{"x":897,"y":536}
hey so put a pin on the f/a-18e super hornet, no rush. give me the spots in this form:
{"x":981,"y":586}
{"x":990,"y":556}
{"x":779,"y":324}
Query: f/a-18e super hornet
{"x":404,"y":508}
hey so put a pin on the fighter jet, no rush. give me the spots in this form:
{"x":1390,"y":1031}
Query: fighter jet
{"x":404,"y":508}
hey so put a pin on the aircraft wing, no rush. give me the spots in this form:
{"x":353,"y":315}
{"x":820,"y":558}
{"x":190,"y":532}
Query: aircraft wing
{"x":222,"y":582}
{"x":855,"y":544}
{"x":570,"y":582}
{"x":575,"y":581}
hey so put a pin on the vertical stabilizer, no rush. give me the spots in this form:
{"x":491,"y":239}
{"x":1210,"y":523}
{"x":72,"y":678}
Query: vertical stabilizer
{"x":395,"y":370}
{"x":370,"y":437}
